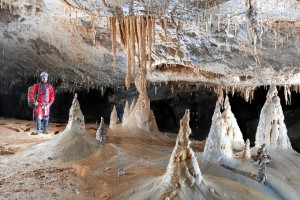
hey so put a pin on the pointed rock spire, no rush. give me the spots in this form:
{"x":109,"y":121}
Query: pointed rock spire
{"x":247,"y":152}
{"x":76,"y":118}
{"x":132,"y":106}
{"x":101,"y":131}
{"x":271,"y":128}
{"x":218,"y":144}
{"x":183,"y":168}
{"x":126,"y":113}
{"x":233,"y":131}
{"x":113,"y":118}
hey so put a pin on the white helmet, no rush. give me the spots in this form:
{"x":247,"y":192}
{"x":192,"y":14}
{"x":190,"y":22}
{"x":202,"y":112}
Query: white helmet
{"x":44,"y":74}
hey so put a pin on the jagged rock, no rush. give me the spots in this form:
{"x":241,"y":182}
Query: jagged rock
{"x":263,"y":160}
{"x":271,"y":128}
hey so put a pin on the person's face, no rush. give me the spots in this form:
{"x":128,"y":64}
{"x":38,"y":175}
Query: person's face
{"x":44,"y":79}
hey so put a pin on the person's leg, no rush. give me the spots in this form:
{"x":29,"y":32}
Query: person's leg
{"x":38,"y":123}
{"x":46,"y":121}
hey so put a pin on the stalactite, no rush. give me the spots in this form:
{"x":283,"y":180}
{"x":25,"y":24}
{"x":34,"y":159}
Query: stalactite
{"x":128,"y":53}
{"x":113,"y":32}
{"x":132,"y":43}
{"x":149,"y":41}
{"x":287,"y":95}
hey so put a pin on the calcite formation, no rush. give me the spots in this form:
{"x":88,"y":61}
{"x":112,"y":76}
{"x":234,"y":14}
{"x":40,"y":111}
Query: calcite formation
{"x":183,"y":169}
{"x":233,"y":130}
{"x":76,"y":118}
{"x":271,"y":129}
{"x":218,"y":143}
{"x":101,"y":132}
{"x":125,"y":114}
{"x":114,"y":120}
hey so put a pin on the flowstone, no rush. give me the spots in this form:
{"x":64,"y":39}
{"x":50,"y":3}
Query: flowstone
{"x":271,"y":128}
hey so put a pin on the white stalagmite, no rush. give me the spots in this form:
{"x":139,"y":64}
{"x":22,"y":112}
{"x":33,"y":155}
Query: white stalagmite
{"x":218,"y":144}
{"x":113,"y":118}
{"x":233,"y":130}
{"x":101,"y":132}
{"x":132,"y":106}
{"x":271,"y":128}
{"x":76,"y":118}
{"x":125,"y":114}
{"x":183,"y":169}
{"x":247,"y":152}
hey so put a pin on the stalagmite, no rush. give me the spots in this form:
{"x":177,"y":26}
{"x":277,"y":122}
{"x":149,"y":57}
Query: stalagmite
{"x":113,"y":118}
{"x":132,"y":106}
{"x":126,"y":113}
{"x":233,"y":130}
{"x":271,"y":129}
{"x":263,"y":160}
{"x":101,"y":132}
{"x":218,"y":144}
{"x":76,"y":118}
{"x":247,"y":152}
{"x":183,"y":169}
{"x":73,"y":143}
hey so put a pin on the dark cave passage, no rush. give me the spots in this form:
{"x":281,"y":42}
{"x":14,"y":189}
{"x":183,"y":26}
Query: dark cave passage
{"x":168,"y":112}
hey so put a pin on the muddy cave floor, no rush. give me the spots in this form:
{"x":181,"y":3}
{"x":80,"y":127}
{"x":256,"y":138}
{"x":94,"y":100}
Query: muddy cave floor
{"x":26,"y":172}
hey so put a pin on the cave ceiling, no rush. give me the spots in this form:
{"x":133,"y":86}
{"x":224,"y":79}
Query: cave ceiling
{"x":234,"y":43}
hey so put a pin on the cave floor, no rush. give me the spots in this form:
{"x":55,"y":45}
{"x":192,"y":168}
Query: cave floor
{"x":28,"y":172}
{"x":26,"y":175}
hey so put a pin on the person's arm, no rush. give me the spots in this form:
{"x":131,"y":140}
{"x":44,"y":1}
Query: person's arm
{"x":31,"y":93}
{"x":51,"y":95}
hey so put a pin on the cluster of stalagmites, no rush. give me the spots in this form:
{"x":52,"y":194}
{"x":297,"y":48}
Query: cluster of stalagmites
{"x":139,"y":115}
{"x":225,"y":134}
{"x":271,"y":129}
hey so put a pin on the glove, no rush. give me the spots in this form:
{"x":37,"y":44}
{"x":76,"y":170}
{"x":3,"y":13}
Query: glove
{"x":36,"y":103}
